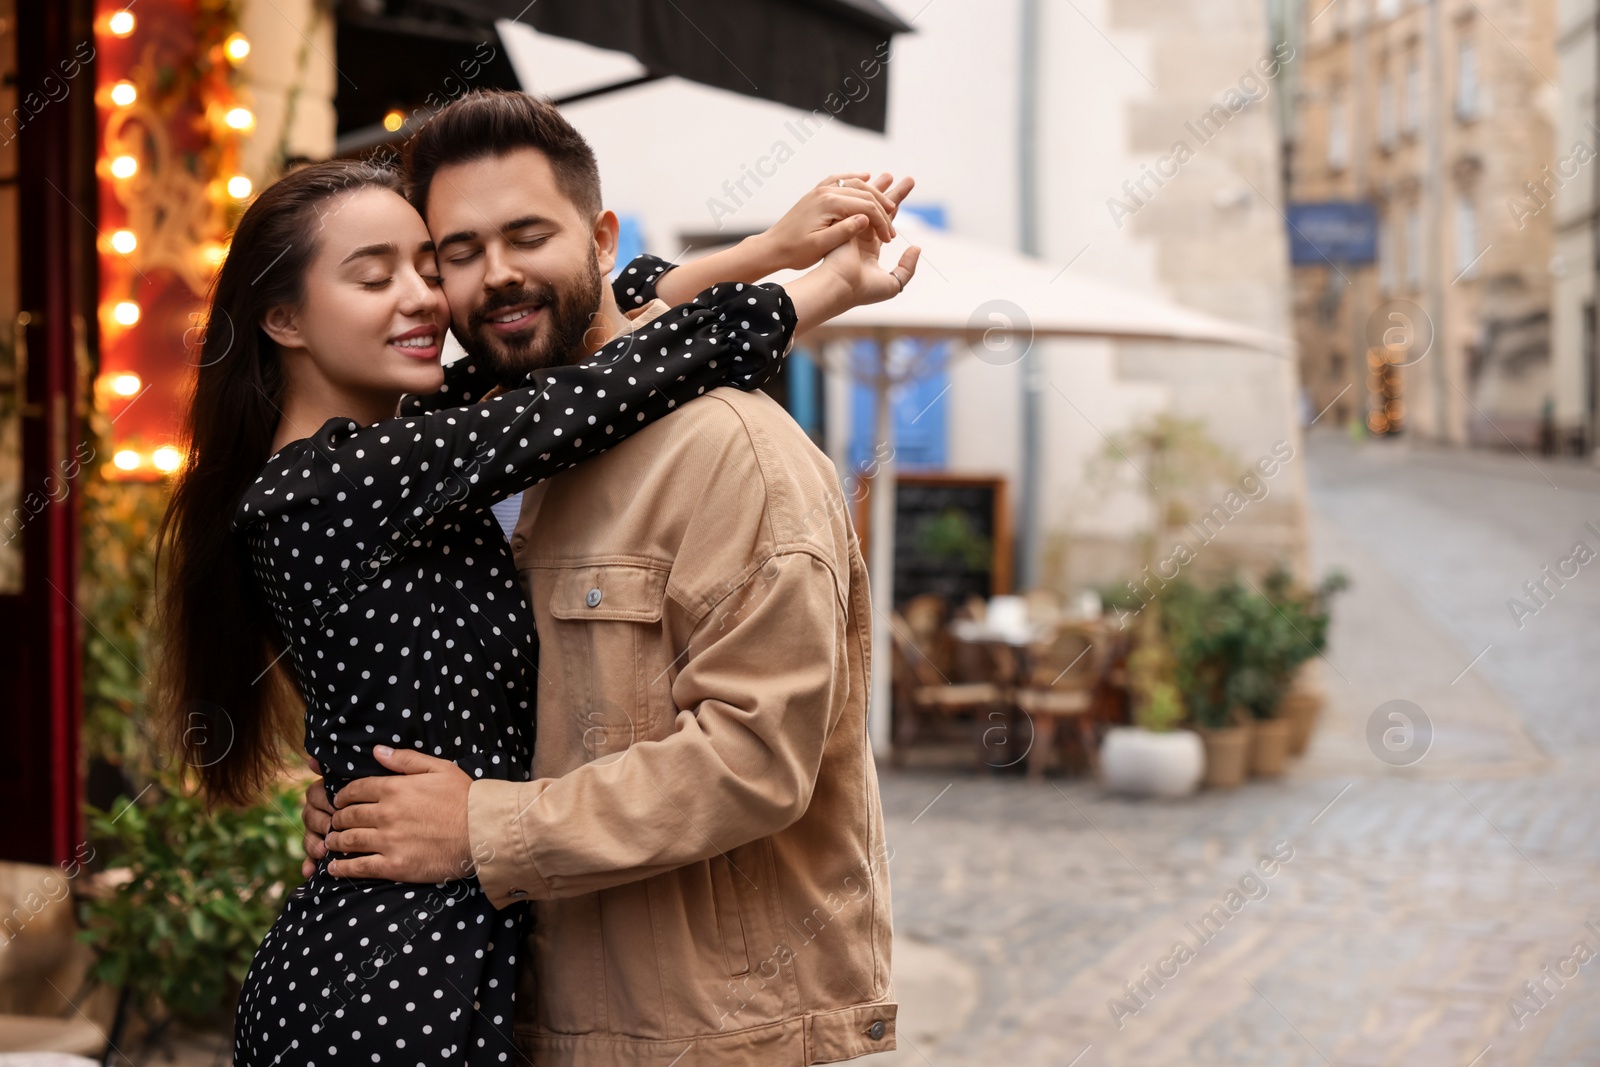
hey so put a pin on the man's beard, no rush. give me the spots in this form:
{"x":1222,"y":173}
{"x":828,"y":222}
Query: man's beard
{"x":507,"y":360}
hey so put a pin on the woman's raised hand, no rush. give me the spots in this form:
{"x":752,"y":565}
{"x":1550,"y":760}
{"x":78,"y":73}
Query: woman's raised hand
{"x":814,"y":226}
{"x":856,"y":261}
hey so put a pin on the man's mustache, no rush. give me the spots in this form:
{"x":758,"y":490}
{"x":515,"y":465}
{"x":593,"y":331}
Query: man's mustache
{"x":538,"y":296}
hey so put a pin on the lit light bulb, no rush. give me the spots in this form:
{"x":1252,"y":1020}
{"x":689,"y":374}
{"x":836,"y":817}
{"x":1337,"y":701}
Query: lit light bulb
{"x":126,"y":460}
{"x":393,"y":121}
{"x":125,"y":384}
{"x":124,"y":167}
{"x":236,"y":47}
{"x":239,"y":118}
{"x":124,"y":93}
{"x":166,"y":458}
{"x":121,"y":23}
{"x":126,"y":313}
{"x":124,"y":241}
{"x":239,"y":187}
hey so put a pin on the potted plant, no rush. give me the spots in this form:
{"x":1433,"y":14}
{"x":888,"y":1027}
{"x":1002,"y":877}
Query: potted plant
{"x":1302,"y":699}
{"x":1208,"y":629}
{"x":1153,"y":757}
{"x":1289,"y":627}
{"x":1301,"y":706}
{"x":1269,"y":645}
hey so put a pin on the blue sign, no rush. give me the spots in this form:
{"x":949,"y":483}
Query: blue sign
{"x":1335,"y":231}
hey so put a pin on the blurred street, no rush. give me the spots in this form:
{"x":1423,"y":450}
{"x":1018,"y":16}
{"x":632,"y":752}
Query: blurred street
{"x":1418,"y":901}
{"x":1227,"y":446}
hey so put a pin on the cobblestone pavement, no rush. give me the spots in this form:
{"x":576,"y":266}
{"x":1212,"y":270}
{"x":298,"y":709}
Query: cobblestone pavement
{"x":1415,"y":904}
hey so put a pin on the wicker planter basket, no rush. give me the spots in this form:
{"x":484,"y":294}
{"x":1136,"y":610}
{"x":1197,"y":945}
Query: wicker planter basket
{"x":1227,"y":755}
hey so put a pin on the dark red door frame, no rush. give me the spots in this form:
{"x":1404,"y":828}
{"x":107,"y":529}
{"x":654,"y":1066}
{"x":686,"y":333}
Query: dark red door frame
{"x":40,"y":630}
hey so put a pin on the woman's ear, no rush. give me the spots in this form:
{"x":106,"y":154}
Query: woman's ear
{"x":606,"y":229}
{"x":283,"y":326}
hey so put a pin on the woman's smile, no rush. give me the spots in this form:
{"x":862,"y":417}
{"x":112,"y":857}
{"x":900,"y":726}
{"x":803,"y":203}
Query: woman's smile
{"x":421,"y":343}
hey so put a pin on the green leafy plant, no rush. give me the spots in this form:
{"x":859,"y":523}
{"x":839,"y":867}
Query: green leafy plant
{"x":952,"y":536}
{"x":1157,"y":704}
{"x":1162,"y":710}
{"x":1177,"y":463}
{"x":1205,"y":630}
{"x":195,"y":892}
{"x":1237,"y":646}
{"x":202,"y":891}
{"x":115,"y":583}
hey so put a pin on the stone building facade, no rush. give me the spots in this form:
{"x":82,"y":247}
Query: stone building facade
{"x":1442,"y":114}
{"x":1575,"y":364}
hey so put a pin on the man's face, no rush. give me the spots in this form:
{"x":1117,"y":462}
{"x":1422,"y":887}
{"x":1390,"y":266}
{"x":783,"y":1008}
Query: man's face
{"x":521,"y":264}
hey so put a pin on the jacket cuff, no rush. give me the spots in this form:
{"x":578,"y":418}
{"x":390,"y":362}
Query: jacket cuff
{"x":494,"y":828}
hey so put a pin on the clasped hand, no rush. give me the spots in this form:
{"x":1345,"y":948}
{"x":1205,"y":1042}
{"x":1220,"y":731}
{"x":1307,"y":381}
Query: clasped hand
{"x":407,"y":827}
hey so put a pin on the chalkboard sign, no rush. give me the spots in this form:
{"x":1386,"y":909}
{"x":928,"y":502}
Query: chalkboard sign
{"x":952,"y":537}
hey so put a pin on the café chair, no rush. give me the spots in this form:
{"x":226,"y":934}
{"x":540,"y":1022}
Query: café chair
{"x":925,"y":696}
{"x":1060,"y":687}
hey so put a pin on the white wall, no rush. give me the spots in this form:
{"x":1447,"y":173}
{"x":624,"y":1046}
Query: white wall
{"x":666,"y":151}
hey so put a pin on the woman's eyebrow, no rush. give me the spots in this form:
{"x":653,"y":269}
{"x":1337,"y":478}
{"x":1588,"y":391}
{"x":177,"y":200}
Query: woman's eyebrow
{"x":384,"y":249}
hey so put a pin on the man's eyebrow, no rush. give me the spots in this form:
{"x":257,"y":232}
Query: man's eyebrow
{"x":462,"y":236}
{"x":384,"y":249}
{"x":524,"y":222}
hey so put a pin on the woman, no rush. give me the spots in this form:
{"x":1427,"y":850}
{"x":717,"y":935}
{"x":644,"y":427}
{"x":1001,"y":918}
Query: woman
{"x":360,"y":549}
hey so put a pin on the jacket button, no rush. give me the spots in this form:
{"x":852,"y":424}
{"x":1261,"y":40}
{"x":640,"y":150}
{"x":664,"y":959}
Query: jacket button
{"x":876,"y":1030}
{"x":593,"y":599}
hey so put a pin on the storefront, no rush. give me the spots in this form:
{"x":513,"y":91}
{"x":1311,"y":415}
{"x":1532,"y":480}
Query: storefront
{"x":48,"y":327}
{"x":131,"y":138}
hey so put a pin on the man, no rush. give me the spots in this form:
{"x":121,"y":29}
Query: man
{"x":703,"y":838}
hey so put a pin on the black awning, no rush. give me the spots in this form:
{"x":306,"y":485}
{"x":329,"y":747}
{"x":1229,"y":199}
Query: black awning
{"x":817,"y":55}
{"x":412,"y":61}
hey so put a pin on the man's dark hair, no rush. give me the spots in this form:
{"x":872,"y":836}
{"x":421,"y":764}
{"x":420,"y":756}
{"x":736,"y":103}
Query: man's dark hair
{"x":494,"y":122}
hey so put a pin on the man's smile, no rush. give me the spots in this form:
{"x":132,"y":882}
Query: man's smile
{"x":516,"y":319}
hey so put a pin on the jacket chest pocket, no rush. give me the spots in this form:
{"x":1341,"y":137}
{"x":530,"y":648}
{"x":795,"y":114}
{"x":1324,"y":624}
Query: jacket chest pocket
{"x":607,"y":633}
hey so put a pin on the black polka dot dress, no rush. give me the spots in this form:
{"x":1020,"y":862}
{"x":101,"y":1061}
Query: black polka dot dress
{"x":395,"y":592}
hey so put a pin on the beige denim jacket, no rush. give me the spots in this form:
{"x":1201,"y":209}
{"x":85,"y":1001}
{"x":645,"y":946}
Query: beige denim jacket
{"x":703,"y":837}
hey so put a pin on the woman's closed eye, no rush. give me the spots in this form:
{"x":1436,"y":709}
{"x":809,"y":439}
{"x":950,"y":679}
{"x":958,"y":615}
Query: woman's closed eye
{"x":375,"y":283}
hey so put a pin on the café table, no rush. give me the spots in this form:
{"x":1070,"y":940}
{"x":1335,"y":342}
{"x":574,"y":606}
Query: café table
{"x":1019,"y":647}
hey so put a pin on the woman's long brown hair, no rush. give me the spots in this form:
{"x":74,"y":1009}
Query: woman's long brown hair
{"x":224,"y":695}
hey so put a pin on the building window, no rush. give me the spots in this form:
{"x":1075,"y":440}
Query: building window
{"x":1386,"y":121}
{"x":1412,"y":117}
{"x":1469,"y":103}
{"x":1413,"y":248}
{"x":1338,"y":134}
{"x":1467,"y":250}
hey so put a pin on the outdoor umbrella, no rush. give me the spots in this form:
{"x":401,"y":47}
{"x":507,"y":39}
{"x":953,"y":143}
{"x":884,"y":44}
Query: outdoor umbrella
{"x":999,"y":302}
{"x":810,"y":54}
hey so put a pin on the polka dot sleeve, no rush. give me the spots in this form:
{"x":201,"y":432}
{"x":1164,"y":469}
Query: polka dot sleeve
{"x":402,"y":475}
{"x":634,"y":286}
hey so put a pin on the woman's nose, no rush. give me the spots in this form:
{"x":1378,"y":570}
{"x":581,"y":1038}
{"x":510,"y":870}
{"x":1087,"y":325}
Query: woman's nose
{"x":417,"y":296}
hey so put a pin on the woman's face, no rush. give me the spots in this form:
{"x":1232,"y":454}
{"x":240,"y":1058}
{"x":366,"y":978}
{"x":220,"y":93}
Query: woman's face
{"x":372,"y":321}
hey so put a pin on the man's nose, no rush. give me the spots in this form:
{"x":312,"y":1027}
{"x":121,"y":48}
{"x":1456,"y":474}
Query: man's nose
{"x":503,"y":270}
